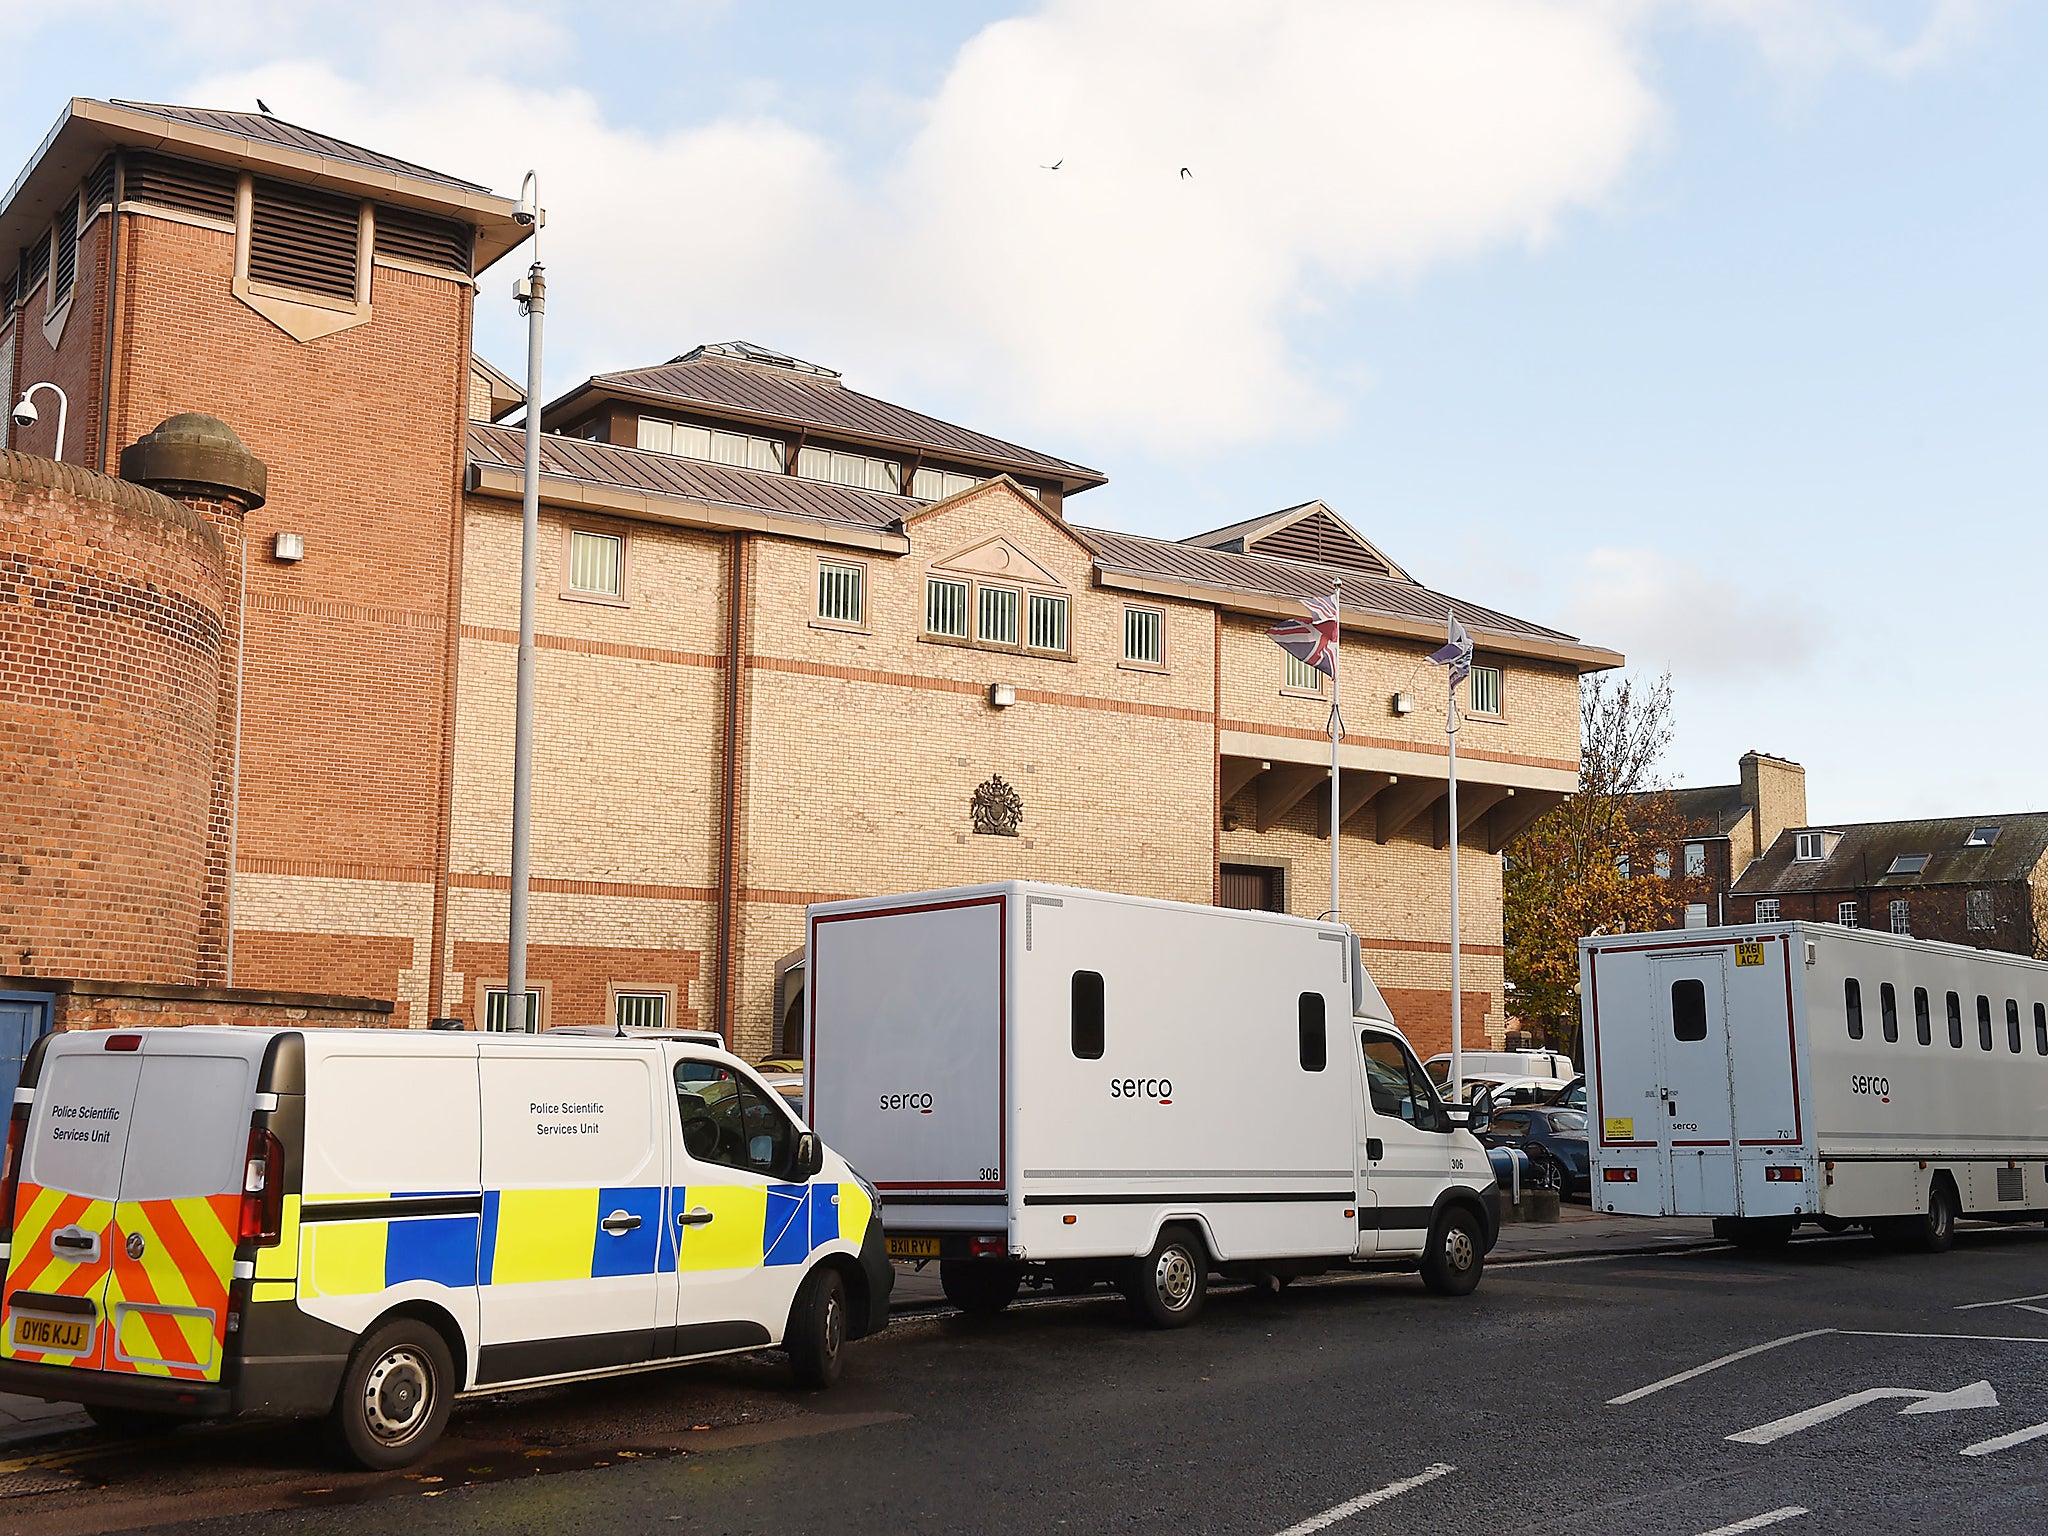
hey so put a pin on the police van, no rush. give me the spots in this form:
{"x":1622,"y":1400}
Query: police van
{"x":366,"y":1224}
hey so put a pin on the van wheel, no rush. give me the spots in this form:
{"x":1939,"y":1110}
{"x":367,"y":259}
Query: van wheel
{"x":132,"y":1423}
{"x":1936,"y":1231}
{"x":395,"y":1396}
{"x":1167,"y":1286}
{"x":982,"y":1287}
{"x":816,"y":1340}
{"x":1455,"y":1256}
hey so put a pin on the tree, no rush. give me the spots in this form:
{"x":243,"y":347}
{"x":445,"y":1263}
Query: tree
{"x":1592,"y":864}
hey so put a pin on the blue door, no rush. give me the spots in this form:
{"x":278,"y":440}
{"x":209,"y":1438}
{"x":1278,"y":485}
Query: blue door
{"x":24,"y":1019}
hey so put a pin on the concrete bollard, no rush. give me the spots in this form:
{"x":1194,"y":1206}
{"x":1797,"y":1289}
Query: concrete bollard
{"x":1536,"y":1205}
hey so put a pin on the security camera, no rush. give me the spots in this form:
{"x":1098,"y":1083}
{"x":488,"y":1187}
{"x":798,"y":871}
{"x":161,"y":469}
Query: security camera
{"x":24,"y":412}
{"x":524,"y":214}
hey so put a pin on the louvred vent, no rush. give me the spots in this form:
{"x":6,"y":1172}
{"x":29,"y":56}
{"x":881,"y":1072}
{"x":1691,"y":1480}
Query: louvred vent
{"x":186,"y":185}
{"x":67,"y":248}
{"x":303,"y":239}
{"x":35,"y":261}
{"x":1321,"y":542}
{"x":99,"y":191}
{"x":432,"y":242}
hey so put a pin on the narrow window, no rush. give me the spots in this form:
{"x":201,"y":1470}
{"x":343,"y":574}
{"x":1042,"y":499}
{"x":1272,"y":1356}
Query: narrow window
{"x":1923,"y":1026}
{"x":1663,"y":863}
{"x":1955,"y":1022}
{"x":497,"y":1012}
{"x":1888,"y":1011}
{"x":1767,"y":909}
{"x":1983,"y":1022}
{"x":945,"y":607}
{"x":1979,"y":912}
{"x":2012,"y":1026}
{"x":1845,"y":914}
{"x":595,"y":563}
{"x":839,"y":592}
{"x":1852,"y":1000}
{"x":1315,"y":1050}
{"x":1902,"y":915}
{"x":1047,"y":630}
{"x":1301,"y":676}
{"x":1689,"y":1009}
{"x":1087,"y":1015}
{"x":1695,"y":860}
{"x":2041,"y":1029}
{"x":1485,"y":693}
{"x":640,"y":1010}
{"x":1145,"y":636}
{"x":998,"y":615}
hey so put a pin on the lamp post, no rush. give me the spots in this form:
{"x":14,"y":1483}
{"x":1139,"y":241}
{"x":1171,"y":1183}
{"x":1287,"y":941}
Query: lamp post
{"x":531,"y":294}
{"x":25,"y":413}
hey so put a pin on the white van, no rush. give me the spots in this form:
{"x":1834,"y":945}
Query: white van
{"x":1543,"y":1066}
{"x":366,"y":1224}
{"x":1079,"y":1086}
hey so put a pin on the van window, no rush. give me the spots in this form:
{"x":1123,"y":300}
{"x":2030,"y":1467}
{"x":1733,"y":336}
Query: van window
{"x":81,"y":1123}
{"x":190,"y":1131}
{"x":1888,"y":1010}
{"x":1689,"y":1009}
{"x":1396,"y":1087}
{"x":1955,"y":1021}
{"x":1852,"y":1001}
{"x":1983,"y":1022}
{"x":1087,"y":1015}
{"x":2012,"y":1026}
{"x":730,"y":1123}
{"x":2041,"y":1029}
{"x":1923,"y":1027}
{"x":1315,"y":1050}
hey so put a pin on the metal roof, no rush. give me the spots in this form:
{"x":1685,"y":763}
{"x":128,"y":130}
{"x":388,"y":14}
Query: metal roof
{"x":1864,"y":851}
{"x":265,"y":129}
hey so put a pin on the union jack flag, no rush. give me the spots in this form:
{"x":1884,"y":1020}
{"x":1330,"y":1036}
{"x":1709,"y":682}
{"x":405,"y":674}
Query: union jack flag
{"x":1313,"y":640}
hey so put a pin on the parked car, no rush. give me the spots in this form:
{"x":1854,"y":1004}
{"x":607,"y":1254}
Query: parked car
{"x":1545,"y":1132}
{"x":781,"y":1064}
{"x":1507,"y":1092}
{"x":790,"y":1085}
{"x":1571,"y":1096}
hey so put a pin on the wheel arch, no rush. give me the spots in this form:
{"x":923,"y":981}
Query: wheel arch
{"x":1472,"y":1200}
{"x":436,"y":1317}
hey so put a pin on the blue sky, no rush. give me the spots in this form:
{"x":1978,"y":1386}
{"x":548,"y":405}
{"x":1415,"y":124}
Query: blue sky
{"x":1711,"y":330}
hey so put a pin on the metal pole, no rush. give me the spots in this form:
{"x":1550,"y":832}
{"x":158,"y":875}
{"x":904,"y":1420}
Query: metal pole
{"x":534,"y":302}
{"x":1457,"y":998}
{"x":1336,"y":735}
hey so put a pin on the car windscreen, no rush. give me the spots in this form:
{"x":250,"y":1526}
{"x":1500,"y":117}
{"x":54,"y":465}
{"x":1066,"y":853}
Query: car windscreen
{"x":1567,"y":1120}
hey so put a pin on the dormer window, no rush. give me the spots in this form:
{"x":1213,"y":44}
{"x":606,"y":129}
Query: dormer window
{"x":1907,"y":864}
{"x":1981,"y":837}
{"x":1808,"y":849}
{"x":855,"y":469}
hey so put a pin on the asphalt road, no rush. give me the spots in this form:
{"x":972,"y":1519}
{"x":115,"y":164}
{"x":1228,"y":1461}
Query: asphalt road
{"x":1363,"y":1403}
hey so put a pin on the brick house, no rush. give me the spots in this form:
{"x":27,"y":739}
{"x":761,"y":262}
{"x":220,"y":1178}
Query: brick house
{"x":790,"y":634}
{"x":1727,"y":827}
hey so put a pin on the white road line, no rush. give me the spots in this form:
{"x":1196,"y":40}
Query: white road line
{"x":2025,"y":1308}
{"x":2010,"y":1301}
{"x":1714,"y":1365}
{"x":2006,"y":1442}
{"x":1758,"y":1522}
{"x":1365,"y":1501}
{"x":1975,"y":1338}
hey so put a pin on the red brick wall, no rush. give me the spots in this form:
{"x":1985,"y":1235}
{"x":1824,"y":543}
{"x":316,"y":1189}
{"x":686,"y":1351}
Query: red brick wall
{"x":1424,"y":1016}
{"x":137,"y":1008}
{"x":110,"y":659}
{"x":363,"y":965}
{"x":74,"y":366}
{"x":579,"y":978}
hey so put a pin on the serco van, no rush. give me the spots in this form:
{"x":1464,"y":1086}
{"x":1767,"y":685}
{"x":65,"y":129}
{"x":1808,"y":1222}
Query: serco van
{"x":205,"y":1222}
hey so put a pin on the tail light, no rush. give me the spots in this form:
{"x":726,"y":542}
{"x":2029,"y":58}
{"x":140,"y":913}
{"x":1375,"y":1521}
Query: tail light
{"x":1781,"y":1173}
{"x":262,"y":1190}
{"x":10,"y":1170}
{"x":123,"y":1043}
{"x":987,"y":1247}
{"x":1618,"y":1175}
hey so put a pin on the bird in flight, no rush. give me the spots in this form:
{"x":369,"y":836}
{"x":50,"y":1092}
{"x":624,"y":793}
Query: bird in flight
{"x":1055,"y":165}
{"x":1186,"y":174}
{"x":260,"y":107}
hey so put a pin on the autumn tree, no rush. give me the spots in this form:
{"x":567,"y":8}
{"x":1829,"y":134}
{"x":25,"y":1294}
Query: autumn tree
{"x":1601,"y":861}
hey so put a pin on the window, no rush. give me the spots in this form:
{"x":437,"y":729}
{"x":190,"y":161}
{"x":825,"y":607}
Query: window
{"x":1923,"y":1026}
{"x":1767,"y":909}
{"x":1145,"y":636}
{"x":1302,"y":677}
{"x":1047,"y":627}
{"x":840,"y":599}
{"x":1852,"y":1003}
{"x":855,"y":469}
{"x":1485,"y":693}
{"x":1695,"y":860}
{"x":1955,"y":1022}
{"x":996,"y":609}
{"x":938,"y":484}
{"x":2012,"y":1026}
{"x":945,"y":607}
{"x":1902,"y":915}
{"x":1510,"y":1125}
{"x":1808,"y":846}
{"x":1845,"y":914}
{"x":496,"y":1011}
{"x":713,"y":445}
{"x":1907,"y":864}
{"x":1663,"y":863}
{"x":640,"y":1010}
{"x":1315,"y":1048}
{"x":1085,"y":1028}
{"x":1983,"y":1022}
{"x":2041,"y":1029}
{"x":1981,"y":837}
{"x":729,"y":1122}
{"x":1397,"y":1087}
{"x":300,"y":238}
{"x":1888,"y":1010}
{"x":596,"y":562}
{"x":1695,"y":914}
{"x":1688,"y":1009}
{"x":1980,"y":911}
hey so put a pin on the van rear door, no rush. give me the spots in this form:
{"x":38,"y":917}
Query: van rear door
{"x":1696,"y":1122}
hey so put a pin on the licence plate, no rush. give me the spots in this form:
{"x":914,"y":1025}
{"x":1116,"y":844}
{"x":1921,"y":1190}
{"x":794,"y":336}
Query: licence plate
{"x":67,"y":1335}
{"x":913,"y":1247}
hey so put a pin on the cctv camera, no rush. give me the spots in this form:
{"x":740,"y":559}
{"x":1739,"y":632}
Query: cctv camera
{"x":24,"y":412}
{"x":523,"y":215}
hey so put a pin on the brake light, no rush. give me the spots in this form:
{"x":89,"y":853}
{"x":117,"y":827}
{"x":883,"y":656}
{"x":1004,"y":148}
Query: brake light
{"x":987,"y":1247}
{"x":1778,"y":1173}
{"x":262,"y":1190}
{"x":124,"y":1043}
{"x":10,"y":1170}
{"x":1618,"y":1175}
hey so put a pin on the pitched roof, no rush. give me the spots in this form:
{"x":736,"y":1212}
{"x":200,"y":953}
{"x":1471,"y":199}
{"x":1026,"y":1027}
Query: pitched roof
{"x":1708,"y":810}
{"x":1310,"y":531}
{"x":262,"y":128}
{"x":1863,"y":852}
{"x":790,"y":394}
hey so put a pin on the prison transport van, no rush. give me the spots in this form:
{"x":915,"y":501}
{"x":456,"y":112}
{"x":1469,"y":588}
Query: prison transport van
{"x":365,"y":1224}
{"x":1070,"y":1087}
{"x":1785,"y":1073}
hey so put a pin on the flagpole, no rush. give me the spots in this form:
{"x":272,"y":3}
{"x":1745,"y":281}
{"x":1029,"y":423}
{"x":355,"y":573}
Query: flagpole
{"x":1336,"y":735}
{"x":1457,"y":996}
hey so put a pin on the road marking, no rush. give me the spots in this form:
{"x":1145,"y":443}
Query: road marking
{"x":1977,"y":1394}
{"x":1975,"y":1338}
{"x":2006,"y":1442}
{"x":1364,"y":1501}
{"x":1714,"y":1365}
{"x":2010,"y":1301}
{"x":1758,"y":1522}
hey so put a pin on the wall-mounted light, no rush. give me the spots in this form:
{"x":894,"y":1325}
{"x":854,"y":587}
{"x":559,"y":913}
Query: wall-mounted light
{"x":1001,"y":695}
{"x":289,"y":547}
{"x":1402,"y":703}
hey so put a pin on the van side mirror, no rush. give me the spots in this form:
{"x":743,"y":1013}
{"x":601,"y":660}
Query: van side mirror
{"x":1469,"y":1117}
{"x":810,"y":1157}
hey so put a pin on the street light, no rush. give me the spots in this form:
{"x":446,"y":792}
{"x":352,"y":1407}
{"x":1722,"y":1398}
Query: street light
{"x":25,"y":414}
{"x":530,"y":292}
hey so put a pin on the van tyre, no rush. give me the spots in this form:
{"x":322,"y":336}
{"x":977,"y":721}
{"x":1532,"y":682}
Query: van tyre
{"x":1167,"y":1287}
{"x":1936,"y":1231}
{"x":981,"y":1287}
{"x":1455,"y":1256}
{"x":816,"y":1340}
{"x":395,"y":1396}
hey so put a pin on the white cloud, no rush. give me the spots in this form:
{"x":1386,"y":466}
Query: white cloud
{"x":1812,"y":36}
{"x":1668,"y":611}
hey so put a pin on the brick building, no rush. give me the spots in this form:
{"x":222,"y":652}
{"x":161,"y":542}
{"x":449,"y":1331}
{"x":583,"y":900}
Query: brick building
{"x":791,"y":636}
{"x":1727,"y":827}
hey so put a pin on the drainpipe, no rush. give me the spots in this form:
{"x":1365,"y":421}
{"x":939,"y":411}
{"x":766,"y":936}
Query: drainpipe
{"x":728,"y":893}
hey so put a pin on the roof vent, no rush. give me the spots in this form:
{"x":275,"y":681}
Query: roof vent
{"x":760,"y":357}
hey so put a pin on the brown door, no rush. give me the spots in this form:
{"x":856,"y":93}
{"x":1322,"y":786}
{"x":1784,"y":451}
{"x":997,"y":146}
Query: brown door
{"x":1253,"y":888}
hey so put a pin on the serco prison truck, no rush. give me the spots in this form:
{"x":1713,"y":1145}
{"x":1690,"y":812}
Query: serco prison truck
{"x":1076,"y":1087}
{"x":1784,"y":1073}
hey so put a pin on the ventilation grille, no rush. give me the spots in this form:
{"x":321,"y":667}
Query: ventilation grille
{"x":67,"y":250}
{"x":1320,"y":542}
{"x":99,"y":191}
{"x":303,"y":239}
{"x":419,"y":237}
{"x":35,"y":261}
{"x":182,"y":184}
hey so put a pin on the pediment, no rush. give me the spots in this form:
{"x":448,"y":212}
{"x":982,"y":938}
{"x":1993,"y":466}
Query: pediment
{"x":998,"y":559}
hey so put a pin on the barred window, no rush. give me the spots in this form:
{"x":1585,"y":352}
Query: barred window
{"x":998,"y":615}
{"x":945,"y":607}
{"x":596,"y":563}
{"x":497,"y":1011}
{"x":840,"y":599}
{"x":1302,"y":676}
{"x":1145,"y":636}
{"x":1047,"y":629}
{"x":1485,"y":694}
{"x":640,"y":1010}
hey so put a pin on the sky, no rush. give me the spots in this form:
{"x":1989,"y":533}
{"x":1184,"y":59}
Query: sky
{"x":1711,"y":331}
